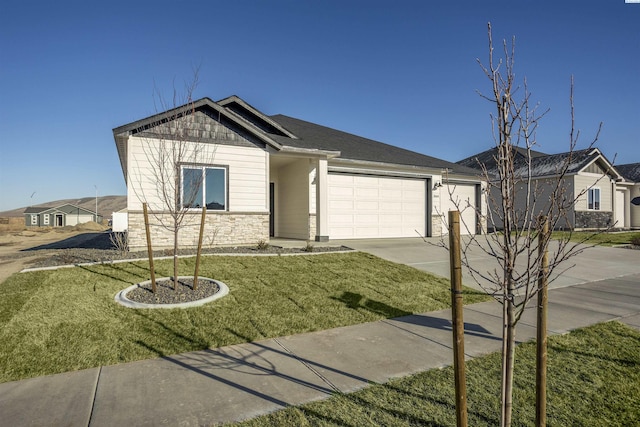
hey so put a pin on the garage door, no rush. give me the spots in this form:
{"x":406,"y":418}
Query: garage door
{"x":464,"y":195}
{"x":371,"y":206}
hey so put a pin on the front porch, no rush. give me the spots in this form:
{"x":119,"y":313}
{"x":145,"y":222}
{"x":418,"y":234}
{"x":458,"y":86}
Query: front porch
{"x":298,"y":198}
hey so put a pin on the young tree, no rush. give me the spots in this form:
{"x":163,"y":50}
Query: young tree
{"x":172,"y":189}
{"x":515,"y":201}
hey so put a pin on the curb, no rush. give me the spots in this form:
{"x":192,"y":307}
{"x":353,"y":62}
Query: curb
{"x":121,"y":297}
{"x":117,"y":261}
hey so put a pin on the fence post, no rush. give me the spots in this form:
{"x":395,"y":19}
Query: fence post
{"x":457,"y":318}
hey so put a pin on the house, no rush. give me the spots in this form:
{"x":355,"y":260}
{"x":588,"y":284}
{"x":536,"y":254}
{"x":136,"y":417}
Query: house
{"x":59,"y":216}
{"x":631,"y":173}
{"x":590,"y":179}
{"x":277,"y":176}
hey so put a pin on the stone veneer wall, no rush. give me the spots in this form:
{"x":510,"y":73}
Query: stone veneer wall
{"x":312,"y":227}
{"x":593,"y":219}
{"x":436,"y":225}
{"x":221,"y":229}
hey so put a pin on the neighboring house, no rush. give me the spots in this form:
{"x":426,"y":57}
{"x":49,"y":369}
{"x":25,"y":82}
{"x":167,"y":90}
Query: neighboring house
{"x":590,"y":179}
{"x":277,"y":176}
{"x":631,"y":173}
{"x":59,"y":216}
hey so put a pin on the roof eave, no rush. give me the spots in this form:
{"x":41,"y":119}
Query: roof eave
{"x":384,"y":165}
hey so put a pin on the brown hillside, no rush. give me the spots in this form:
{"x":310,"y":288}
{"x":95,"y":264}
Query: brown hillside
{"x":106,"y":205}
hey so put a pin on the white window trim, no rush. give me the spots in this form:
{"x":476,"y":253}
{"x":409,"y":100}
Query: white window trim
{"x":34,"y":219}
{"x":45,"y":219}
{"x":203,"y":168}
{"x":598,"y":191}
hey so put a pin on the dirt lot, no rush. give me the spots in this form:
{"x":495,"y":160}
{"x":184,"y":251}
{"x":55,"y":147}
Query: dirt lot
{"x":25,"y":247}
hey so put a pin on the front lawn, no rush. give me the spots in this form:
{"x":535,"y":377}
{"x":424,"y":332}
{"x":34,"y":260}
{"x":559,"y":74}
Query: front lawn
{"x":593,"y":380}
{"x":66,"y":319}
{"x":603,"y":239}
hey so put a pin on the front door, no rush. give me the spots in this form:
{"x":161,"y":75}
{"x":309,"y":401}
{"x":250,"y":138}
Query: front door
{"x":58,"y":220}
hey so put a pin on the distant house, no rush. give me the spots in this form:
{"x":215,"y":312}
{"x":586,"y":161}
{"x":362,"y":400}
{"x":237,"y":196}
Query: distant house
{"x":59,"y":216}
{"x":631,"y":174}
{"x":278,"y":176}
{"x":599,"y":188}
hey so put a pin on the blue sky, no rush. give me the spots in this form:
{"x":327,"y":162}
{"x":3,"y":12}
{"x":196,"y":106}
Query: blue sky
{"x":402,"y":72}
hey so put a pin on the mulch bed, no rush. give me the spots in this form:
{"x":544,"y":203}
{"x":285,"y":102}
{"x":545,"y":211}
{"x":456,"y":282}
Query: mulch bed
{"x":100,"y":249}
{"x":166,"y":295}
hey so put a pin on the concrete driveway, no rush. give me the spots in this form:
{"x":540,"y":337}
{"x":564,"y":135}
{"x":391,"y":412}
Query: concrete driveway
{"x":592,"y":264}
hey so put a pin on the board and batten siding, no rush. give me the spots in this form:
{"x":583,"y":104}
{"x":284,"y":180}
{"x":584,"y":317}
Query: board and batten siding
{"x":246,"y":181}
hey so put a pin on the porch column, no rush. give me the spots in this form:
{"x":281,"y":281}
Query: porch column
{"x":322,"y":209}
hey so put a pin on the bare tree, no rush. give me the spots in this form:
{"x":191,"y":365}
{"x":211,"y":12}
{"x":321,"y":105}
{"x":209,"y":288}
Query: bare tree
{"x":171,"y":179}
{"x":516,"y":199}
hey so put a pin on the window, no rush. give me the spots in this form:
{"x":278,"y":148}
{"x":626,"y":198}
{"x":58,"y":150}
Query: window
{"x":34,"y":219}
{"x":45,"y":219}
{"x":594,"y":199}
{"x":203,"y":184}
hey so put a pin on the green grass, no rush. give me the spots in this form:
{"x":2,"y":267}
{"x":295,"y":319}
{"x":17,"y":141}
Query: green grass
{"x":63,"y":320}
{"x":593,"y":380}
{"x":603,"y":239}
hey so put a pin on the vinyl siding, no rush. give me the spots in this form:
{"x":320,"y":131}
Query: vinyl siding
{"x":246,"y":181}
{"x":293,"y":201}
{"x":541,"y":193}
{"x":584,"y":181}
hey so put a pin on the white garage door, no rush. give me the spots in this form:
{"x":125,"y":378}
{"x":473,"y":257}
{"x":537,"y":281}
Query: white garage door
{"x":464,"y":196}
{"x":371,"y":206}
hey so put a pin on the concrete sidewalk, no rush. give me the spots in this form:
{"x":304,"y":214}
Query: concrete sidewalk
{"x":243,"y":381}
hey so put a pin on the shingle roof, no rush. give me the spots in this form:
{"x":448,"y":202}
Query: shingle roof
{"x":541,"y":164}
{"x":353,"y":147}
{"x":630,"y":171}
{"x":488,"y":157}
{"x":34,"y":209}
{"x":66,"y":208}
{"x":282,"y":131}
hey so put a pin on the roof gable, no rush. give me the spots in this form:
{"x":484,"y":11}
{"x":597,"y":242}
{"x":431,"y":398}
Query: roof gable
{"x":204,"y":107}
{"x":543,"y":164}
{"x":68,"y":208}
{"x":203,"y":112}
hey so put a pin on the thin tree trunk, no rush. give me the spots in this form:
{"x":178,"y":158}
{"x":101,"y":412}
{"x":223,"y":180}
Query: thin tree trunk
{"x":509,"y":359}
{"x":541,"y":341}
{"x":149,"y":248}
{"x":505,"y":365}
{"x":198,"y":253}
{"x":175,"y":258}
